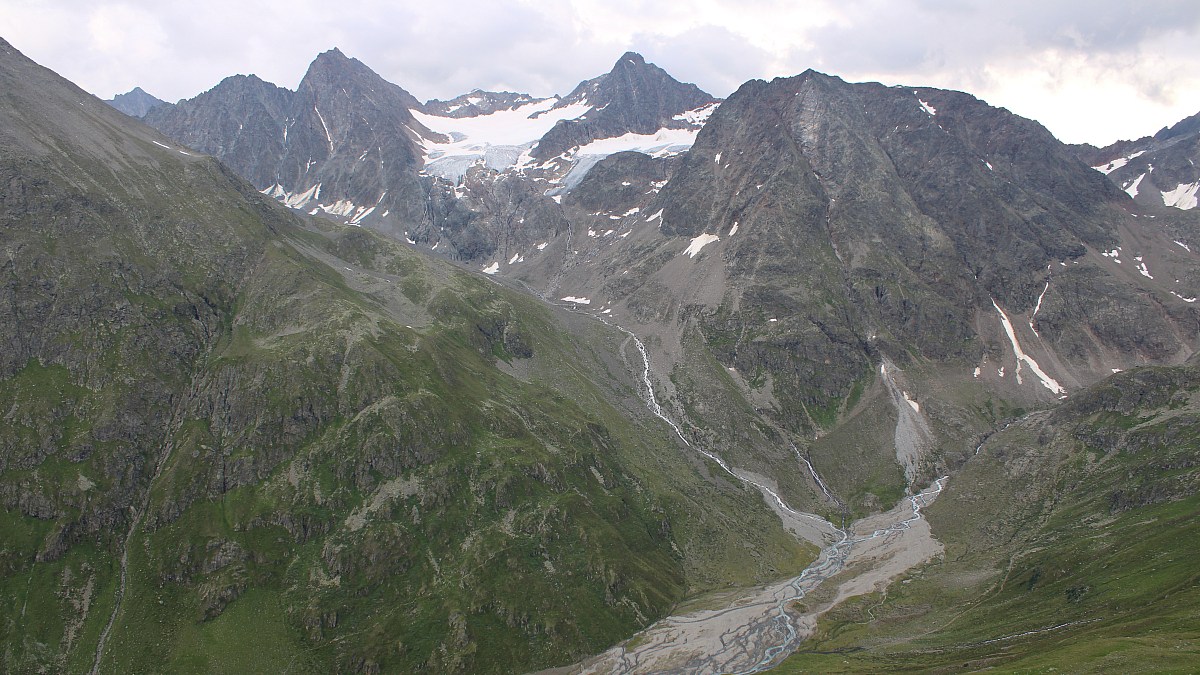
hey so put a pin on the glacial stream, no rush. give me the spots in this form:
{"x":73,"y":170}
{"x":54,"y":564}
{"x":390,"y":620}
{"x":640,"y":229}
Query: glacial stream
{"x":760,"y":627}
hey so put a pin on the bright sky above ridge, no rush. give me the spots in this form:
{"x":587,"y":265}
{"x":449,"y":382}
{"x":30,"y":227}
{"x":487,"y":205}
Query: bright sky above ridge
{"x":1090,"y":70}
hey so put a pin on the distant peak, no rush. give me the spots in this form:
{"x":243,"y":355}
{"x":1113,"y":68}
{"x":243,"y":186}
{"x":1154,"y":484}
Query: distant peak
{"x":330,"y":57}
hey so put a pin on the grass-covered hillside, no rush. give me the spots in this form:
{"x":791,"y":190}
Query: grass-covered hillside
{"x":1070,"y":547}
{"x":238,"y":441}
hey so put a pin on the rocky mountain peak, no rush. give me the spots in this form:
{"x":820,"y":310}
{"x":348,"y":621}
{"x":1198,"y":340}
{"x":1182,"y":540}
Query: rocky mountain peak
{"x":135,"y":102}
{"x":629,"y":59}
{"x":634,"y":97}
{"x":332,"y":71}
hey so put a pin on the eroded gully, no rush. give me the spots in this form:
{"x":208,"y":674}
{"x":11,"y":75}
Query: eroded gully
{"x":758,"y":628}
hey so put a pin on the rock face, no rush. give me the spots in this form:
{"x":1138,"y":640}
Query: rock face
{"x":346,"y":145}
{"x":344,"y":142}
{"x":240,"y":121}
{"x":634,"y":97}
{"x":1155,"y":170}
{"x":818,"y":229}
{"x":135,"y":102}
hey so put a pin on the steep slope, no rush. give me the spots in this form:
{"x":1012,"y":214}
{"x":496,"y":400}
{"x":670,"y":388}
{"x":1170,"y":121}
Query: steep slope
{"x":555,"y":141}
{"x":344,"y":143}
{"x":236,"y":441}
{"x":350,"y":146}
{"x":135,"y":102}
{"x":1158,"y":170}
{"x":880,"y":273}
{"x":1069,"y":546}
{"x":239,"y":121}
{"x":634,"y":97}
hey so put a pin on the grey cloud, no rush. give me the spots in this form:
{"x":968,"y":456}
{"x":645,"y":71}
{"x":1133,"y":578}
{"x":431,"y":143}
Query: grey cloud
{"x":712,"y":57}
{"x":905,"y":36}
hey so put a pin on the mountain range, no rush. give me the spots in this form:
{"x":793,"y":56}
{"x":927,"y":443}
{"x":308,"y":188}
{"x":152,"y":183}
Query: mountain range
{"x":333,"y":379}
{"x":1158,"y":169}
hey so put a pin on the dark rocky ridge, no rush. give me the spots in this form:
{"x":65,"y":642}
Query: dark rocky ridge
{"x":859,"y":223}
{"x":634,"y":96}
{"x":135,"y":102}
{"x":475,"y":103}
{"x":344,"y":128}
{"x":1167,"y":161}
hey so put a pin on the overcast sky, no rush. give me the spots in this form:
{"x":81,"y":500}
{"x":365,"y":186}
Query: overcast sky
{"x":1090,"y":70}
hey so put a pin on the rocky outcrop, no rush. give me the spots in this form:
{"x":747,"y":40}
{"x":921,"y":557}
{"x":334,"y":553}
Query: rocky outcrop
{"x":634,"y":97}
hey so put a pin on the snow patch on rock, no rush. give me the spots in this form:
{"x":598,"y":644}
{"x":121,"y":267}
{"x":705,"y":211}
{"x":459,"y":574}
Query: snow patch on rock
{"x":698,"y":243}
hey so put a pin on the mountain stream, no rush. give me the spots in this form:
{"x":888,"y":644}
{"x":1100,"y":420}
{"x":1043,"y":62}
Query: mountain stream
{"x":755,"y":629}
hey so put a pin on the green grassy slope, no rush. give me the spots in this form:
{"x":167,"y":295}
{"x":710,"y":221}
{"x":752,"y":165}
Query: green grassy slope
{"x":1070,"y":543}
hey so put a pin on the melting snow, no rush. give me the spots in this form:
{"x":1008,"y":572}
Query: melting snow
{"x":659,"y":144}
{"x":698,"y":243}
{"x":915,"y":406}
{"x":928,"y":108}
{"x":1132,"y":186}
{"x":1117,"y":163}
{"x":698,"y":116}
{"x":1141,"y":268}
{"x":513,"y":260}
{"x":976,"y":375}
{"x":656,"y":216}
{"x":542,"y":246}
{"x":717,"y":158}
{"x":1182,"y":197}
{"x":1182,"y":298}
{"x":733,"y":230}
{"x":492,"y":269}
{"x":1037,"y":307}
{"x":580,"y":301}
{"x":1185,"y":246}
{"x":324,"y":126}
{"x":1047,"y":381}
